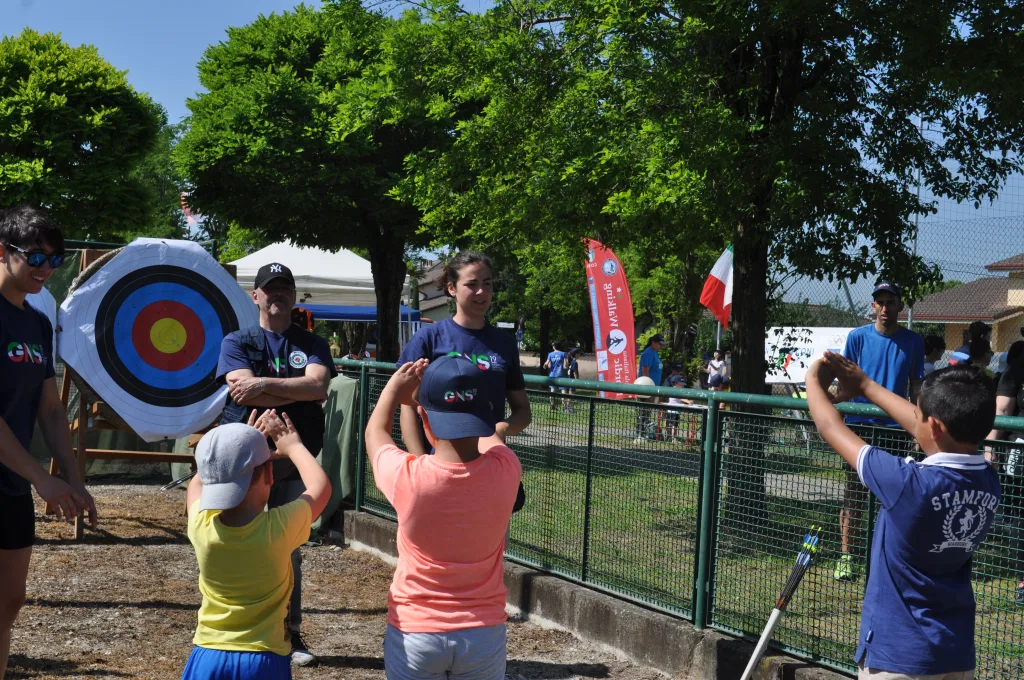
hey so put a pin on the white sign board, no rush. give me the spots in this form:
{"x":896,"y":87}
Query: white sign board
{"x":790,"y":351}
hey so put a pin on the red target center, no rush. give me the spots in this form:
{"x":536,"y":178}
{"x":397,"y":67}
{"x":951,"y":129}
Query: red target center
{"x":168,"y":335}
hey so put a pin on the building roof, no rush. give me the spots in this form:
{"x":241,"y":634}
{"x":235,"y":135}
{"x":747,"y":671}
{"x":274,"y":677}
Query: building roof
{"x":434,"y":303}
{"x":428,"y":282}
{"x":1012,"y":264}
{"x":980,"y":300}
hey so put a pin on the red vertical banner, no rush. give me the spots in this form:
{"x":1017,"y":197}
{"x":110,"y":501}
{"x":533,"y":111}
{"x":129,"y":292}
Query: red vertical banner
{"x":611,"y":307}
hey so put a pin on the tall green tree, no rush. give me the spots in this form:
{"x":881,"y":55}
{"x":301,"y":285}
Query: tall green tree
{"x":304,"y":130}
{"x":795,"y":131}
{"x":73,"y":134}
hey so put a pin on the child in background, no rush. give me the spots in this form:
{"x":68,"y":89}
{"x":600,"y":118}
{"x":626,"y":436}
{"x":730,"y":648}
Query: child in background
{"x":244,"y":551}
{"x":555,"y":366}
{"x":934,"y":348}
{"x":675,"y":379}
{"x":919,"y":609}
{"x":446,"y":606}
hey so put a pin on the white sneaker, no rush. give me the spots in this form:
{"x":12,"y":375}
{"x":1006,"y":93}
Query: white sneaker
{"x":301,"y":656}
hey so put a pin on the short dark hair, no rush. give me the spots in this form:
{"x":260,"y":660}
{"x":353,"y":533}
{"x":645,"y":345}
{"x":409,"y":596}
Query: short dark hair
{"x":557,"y":345}
{"x":979,"y":348}
{"x":450,"y":273}
{"x":1016,"y":350}
{"x":961,"y":398}
{"x":979,"y":329}
{"x":25,"y":226}
{"x":934,"y":342}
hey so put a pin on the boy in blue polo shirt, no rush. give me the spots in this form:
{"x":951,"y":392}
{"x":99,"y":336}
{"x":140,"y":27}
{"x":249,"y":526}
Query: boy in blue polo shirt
{"x":918,"y":615}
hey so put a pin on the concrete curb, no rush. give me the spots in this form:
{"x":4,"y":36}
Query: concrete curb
{"x":672,"y":646}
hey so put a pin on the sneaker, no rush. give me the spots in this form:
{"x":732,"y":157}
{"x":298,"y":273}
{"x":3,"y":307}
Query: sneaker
{"x":301,"y":656}
{"x":1018,"y":596}
{"x":846,"y":570}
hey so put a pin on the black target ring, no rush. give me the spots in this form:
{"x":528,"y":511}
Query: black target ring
{"x":109,"y":346}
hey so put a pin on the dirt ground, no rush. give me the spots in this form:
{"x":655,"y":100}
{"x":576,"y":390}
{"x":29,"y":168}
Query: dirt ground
{"x":122,"y":603}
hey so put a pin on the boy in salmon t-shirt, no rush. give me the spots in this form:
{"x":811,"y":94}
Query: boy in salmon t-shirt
{"x":446,"y":606}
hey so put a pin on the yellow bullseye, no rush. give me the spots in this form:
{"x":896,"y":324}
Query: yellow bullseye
{"x":168,"y":336}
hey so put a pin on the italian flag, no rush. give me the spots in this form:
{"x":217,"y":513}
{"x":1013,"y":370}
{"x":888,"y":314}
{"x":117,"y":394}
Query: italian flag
{"x":717,"y":293}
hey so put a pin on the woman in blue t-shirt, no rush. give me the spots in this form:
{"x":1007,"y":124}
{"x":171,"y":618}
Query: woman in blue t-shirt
{"x":468,"y":278}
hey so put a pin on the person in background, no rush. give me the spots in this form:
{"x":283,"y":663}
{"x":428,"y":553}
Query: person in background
{"x":727,"y":375}
{"x":31,"y":248}
{"x":1010,"y":402}
{"x":556,"y":368}
{"x":978,"y":330}
{"x":934,"y":348}
{"x":716,"y":370}
{"x":650,"y":367}
{"x":446,"y":605}
{"x":893,"y":357}
{"x":282,"y":366}
{"x":981,"y":356}
{"x":678,"y":380}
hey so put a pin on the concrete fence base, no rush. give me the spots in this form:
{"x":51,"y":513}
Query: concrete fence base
{"x":672,"y":646}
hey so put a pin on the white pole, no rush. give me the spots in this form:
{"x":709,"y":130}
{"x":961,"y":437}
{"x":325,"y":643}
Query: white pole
{"x":762,"y":644}
{"x":718,"y":336}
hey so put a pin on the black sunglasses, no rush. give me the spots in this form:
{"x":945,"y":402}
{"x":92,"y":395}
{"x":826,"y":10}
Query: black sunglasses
{"x":36,"y":258}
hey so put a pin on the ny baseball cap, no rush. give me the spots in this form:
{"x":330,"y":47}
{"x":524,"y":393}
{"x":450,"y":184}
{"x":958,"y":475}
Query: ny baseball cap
{"x":274,"y":270}
{"x":886,"y":287}
{"x":452,"y":395}
{"x":225,"y":458}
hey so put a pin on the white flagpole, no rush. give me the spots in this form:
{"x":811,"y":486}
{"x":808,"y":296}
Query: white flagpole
{"x":718,"y":336}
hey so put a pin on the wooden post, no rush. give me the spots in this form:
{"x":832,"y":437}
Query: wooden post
{"x":80,"y":456}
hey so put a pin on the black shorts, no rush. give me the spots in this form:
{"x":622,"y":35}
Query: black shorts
{"x":18,"y":528}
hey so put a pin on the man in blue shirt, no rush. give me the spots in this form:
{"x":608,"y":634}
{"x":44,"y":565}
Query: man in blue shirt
{"x":650,"y":367}
{"x":919,"y":609}
{"x":892,"y":356}
{"x":280,"y":366}
{"x":555,"y":365}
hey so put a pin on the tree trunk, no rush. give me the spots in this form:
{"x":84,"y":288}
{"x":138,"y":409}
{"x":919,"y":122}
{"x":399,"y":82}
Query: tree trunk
{"x":744,"y":456}
{"x":387,"y":262}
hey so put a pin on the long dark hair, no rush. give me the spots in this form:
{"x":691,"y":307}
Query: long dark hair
{"x":450,"y":273}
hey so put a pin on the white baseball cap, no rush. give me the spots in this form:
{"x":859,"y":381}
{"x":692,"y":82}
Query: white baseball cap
{"x":226,"y":457}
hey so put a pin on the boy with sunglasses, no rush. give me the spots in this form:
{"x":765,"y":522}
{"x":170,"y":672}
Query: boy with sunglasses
{"x":31,"y":246}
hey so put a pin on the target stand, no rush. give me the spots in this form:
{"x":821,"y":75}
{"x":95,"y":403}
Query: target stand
{"x":167,"y":330}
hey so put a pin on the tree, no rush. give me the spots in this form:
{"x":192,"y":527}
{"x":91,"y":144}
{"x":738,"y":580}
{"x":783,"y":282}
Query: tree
{"x":163,"y":185}
{"x":73,"y":133}
{"x":304,"y":130}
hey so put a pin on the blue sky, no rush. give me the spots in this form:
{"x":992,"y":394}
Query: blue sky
{"x":159,"y":43}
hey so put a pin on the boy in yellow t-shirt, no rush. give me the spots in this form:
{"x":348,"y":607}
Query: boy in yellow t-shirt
{"x":245,"y":569}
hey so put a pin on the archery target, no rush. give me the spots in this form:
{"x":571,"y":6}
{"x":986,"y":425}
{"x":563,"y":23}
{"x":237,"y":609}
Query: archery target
{"x":144,"y":334}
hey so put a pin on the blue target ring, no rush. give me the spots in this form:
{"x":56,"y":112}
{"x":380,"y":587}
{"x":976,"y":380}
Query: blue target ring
{"x":128,"y":353}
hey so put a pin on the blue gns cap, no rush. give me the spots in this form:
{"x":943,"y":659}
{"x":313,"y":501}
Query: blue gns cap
{"x":452,"y":394}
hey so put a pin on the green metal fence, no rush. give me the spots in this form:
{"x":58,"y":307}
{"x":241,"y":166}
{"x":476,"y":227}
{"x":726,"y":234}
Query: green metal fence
{"x":697,"y":511}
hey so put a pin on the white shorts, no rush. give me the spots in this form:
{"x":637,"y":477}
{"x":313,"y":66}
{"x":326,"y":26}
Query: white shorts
{"x":467,"y":654}
{"x":872,"y":674}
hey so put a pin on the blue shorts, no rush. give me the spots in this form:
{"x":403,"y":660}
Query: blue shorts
{"x":216,"y":664}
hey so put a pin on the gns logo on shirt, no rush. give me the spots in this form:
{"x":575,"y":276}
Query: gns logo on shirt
{"x":453,"y":396}
{"x":483,"y":361}
{"x":24,"y":353}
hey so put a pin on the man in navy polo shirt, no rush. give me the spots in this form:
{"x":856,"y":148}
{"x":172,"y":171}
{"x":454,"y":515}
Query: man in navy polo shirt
{"x":919,"y":609}
{"x":892,"y":356}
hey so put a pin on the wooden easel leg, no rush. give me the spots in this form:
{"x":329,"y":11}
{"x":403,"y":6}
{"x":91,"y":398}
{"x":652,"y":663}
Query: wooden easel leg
{"x":65,"y":397}
{"x":80,"y":456}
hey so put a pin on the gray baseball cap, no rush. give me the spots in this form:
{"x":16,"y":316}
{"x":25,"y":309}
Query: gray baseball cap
{"x":226,"y":457}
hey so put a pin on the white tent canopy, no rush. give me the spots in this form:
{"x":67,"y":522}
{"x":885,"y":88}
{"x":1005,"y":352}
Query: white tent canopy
{"x":321,"y":277}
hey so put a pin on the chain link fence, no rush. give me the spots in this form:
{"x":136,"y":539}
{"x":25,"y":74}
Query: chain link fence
{"x":661,"y":504}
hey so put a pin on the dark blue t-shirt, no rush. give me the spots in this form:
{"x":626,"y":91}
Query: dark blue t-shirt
{"x":27,"y":361}
{"x":492,"y":350}
{"x":918,"y":616}
{"x":650,"y":359}
{"x":892,"y":361}
{"x":556,"y":361}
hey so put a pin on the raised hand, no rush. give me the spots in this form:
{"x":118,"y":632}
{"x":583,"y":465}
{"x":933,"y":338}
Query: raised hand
{"x":280,"y":429}
{"x":405,"y":382}
{"x":852,"y":380}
